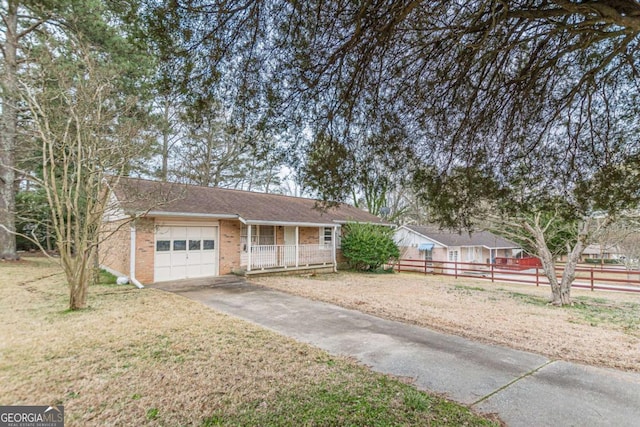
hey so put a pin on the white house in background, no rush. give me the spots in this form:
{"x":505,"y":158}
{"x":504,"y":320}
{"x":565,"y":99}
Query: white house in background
{"x":597,"y":251}
{"x":432,"y":244}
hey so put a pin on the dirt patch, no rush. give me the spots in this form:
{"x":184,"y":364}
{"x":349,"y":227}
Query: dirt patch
{"x":603,"y":328}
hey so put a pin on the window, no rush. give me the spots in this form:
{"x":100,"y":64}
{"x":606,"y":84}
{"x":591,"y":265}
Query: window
{"x":266,"y":235}
{"x":208,"y":245}
{"x":179,"y":245}
{"x":453,"y":256}
{"x":326,"y":235}
{"x":163,"y":245}
{"x":194,"y":245}
{"x":428,"y":254}
{"x":260,"y":235}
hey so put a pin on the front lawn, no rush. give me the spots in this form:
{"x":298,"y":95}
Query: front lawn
{"x":145,"y":357}
{"x":513,"y":315}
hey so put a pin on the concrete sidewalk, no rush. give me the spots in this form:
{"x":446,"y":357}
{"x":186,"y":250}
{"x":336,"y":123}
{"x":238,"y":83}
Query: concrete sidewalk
{"x":525,"y":389}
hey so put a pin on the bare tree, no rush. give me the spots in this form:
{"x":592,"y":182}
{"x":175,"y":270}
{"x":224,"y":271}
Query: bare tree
{"x":170,"y":128}
{"x":88,"y":131}
{"x":214,"y":152}
{"x":22,"y":24}
{"x":211,"y":150}
{"x":547,"y":235}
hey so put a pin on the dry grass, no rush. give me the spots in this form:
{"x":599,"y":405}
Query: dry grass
{"x":603,"y":328}
{"x":144,"y":357}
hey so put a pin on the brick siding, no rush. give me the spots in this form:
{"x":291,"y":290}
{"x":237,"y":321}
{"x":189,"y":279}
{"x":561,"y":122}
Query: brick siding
{"x":114,"y":250}
{"x":229,"y":246}
{"x":145,"y":249}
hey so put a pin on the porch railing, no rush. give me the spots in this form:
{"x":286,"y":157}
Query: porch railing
{"x":282,"y":256}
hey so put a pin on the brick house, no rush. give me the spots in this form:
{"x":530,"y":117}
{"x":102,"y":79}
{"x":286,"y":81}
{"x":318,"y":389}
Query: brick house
{"x":156,"y":231}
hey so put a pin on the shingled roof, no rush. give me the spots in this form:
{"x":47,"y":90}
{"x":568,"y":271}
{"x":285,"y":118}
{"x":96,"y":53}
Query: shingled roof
{"x":136,"y":196}
{"x":477,"y":238}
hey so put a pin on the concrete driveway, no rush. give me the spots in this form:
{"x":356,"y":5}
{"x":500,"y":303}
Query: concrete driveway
{"x":525,"y":389}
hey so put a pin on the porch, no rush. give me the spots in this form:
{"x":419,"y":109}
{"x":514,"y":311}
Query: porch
{"x":288,"y":257}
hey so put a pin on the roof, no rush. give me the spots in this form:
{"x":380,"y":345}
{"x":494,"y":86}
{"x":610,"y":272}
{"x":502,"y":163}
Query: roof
{"x":598,"y":249}
{"x":476,"y":238}
{"x":136,"y":196}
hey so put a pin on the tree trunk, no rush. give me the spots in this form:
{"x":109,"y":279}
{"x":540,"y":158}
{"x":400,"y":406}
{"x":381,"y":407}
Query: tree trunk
{"x":549,"y":267}
{"x":78,"y":270}
{"x":8,"y":136}
{"x":569,"y":273}
{"x":560,"y":291}
{"x":164,"y":172}
{"x":77,"y":296}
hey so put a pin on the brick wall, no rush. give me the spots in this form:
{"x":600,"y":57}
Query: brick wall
{"x":145,"y":247}
{"x":114,"y":251}
{"x":309,"y":235}
{"x":279,"y":236}
{"x":229,"y":246}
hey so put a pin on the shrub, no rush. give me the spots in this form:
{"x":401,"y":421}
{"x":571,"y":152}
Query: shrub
{"x":367,"y":247}
{"x":601,"y":261}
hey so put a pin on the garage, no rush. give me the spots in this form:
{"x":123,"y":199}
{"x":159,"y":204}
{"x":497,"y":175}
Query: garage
{"x":183,"y":252}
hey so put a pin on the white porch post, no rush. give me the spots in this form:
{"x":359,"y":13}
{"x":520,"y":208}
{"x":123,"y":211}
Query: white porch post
{"x":297,"y":247}
{"x":249,"y":247}
{"x":334,"y":246}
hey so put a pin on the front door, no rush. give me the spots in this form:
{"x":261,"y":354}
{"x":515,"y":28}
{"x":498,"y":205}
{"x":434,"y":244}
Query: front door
{"x":289,"y":250}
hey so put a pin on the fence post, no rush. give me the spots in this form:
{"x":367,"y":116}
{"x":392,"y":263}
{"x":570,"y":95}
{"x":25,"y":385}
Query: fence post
{"x":537,"y":277}
{"x":491,"y":272}
{"x":425,"y":266}
{"x":455,"y":268}
{"x":592,"y":279}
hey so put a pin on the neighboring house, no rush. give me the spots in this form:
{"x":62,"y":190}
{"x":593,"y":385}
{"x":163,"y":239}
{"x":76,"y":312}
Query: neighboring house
{"x":596,"y":251}
{"x":185,"y":231}
{"x":432,"y":244}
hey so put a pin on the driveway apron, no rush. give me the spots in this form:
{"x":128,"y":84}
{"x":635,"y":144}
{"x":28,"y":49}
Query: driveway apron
{"x":524,"y":389}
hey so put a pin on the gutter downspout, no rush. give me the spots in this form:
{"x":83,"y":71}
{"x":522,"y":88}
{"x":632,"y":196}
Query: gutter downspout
{"x":132,"y":259}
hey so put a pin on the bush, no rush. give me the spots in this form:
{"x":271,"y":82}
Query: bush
{"x":601,"y":261}
{"x":367,"y":247}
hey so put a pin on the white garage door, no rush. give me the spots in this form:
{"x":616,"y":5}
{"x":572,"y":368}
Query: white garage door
{"x":185,"y":252}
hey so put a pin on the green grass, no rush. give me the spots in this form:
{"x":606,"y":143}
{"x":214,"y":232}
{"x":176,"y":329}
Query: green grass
{"x":357,"y":401}
{"x":106,"y":278}
{"x":528,"y":299}
{"x":469,"y":288}
{"x":373,"y":271}
{"x":596,"y":311}
{"x":152,"y":413}
{"x":588,"y":300}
